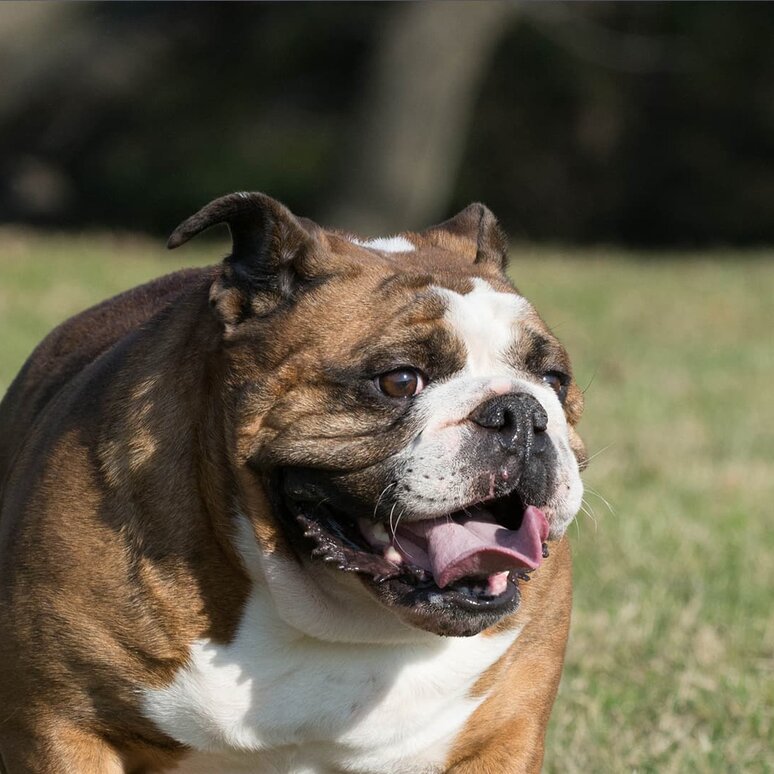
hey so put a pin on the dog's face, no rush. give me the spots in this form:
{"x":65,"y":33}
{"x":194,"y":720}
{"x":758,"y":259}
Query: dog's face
{"x":410,"y":414}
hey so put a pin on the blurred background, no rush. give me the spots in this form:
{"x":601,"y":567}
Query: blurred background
{"x":627,"y":123}
{"x":628,"y":148}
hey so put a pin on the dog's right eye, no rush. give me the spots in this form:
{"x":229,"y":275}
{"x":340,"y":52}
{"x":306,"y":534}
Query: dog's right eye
{"x":401,"y":383}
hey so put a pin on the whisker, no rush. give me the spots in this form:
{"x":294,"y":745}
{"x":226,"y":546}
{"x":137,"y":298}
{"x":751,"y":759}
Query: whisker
{"x":395,"y":537}
{"x":589,"y":511}
{"x":591,"y":381}
{"x":392,"y":511}
{"x":593,"y":491}
{"x":379,"y":499}
{"x":598,"y":452}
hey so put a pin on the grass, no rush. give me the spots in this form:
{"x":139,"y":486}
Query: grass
{"x":669,"y":666}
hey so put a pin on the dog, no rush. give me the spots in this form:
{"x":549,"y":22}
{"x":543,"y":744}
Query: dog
{"x":301,"y":511}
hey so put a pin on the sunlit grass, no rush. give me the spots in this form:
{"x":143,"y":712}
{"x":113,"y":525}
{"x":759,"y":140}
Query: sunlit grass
{"x":669,"y":662}
{"x":669,"y":666}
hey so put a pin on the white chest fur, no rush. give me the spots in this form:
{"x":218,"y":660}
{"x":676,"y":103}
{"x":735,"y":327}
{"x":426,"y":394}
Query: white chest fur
{"x":277,"y":700}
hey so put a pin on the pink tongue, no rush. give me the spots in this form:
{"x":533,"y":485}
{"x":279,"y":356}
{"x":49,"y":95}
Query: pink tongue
{"x":478,"y":545}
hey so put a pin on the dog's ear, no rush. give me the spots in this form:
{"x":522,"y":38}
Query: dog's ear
{"x":478,"y":224}
{"x":271,"y":255}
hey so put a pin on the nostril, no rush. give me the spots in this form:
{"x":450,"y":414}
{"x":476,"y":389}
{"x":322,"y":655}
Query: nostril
{"x":510,"y":419}
{"x":540,"y":421}
{"x":491,"y":415}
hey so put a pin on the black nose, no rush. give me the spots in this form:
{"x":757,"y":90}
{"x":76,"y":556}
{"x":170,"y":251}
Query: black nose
{"x":518,"y":419}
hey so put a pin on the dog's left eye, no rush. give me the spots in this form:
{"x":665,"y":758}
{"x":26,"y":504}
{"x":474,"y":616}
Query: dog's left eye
{"x":557,"y":382}
{"x":401,"y":383}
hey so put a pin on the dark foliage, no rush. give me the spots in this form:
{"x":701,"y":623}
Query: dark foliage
{"x":640,"y":123}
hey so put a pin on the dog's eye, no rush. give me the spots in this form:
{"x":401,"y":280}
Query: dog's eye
{"x":557,"y":382}
{"x":401,"y":383}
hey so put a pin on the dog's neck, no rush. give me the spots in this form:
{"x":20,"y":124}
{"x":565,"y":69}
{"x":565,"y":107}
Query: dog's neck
{"x":332,"y":607}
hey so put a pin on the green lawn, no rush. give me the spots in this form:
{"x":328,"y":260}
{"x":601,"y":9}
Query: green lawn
{"x":669,"y":666}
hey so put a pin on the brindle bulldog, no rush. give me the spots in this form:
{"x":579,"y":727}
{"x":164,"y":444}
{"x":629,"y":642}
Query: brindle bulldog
{"x":302,"y":511}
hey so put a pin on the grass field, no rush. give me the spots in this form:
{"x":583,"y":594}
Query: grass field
{"x":671,"y":657}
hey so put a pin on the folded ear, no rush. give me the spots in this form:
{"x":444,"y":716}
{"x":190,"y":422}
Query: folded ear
{"x":270,"y":247}
{"x":478,"y":223}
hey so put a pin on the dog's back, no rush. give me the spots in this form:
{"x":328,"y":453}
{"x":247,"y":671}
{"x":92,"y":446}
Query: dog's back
{"x":71,"y":347}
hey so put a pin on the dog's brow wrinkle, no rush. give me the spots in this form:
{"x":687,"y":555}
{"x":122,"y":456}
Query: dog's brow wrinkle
{"x":404,"y":281}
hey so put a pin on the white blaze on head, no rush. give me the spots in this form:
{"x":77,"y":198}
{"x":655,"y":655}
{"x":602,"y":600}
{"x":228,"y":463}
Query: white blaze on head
{"x":395,"y":244}
{"x":486,"y":322}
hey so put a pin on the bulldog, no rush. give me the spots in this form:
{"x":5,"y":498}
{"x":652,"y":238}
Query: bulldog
{"x":302,"y":511}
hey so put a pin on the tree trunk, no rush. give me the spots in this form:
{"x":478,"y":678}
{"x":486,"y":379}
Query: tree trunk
{"x":405,"y":152}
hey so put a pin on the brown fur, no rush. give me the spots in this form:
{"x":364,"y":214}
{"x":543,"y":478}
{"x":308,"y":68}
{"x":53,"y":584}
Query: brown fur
{"x":506,"y":733}
{"x":110,"y":561}
{"x":127,"y":437}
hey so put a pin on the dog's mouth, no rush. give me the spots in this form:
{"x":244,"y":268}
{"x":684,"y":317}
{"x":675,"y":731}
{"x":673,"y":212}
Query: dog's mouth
{"x":469,"y":561}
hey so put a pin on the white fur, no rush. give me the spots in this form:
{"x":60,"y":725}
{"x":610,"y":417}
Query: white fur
{"x":277,"y":699}
{"x":395,"y":244}
{"x":487,"y":323}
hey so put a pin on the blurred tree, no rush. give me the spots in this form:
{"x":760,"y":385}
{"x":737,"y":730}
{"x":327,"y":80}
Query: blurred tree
{"x":404,"y":152}
{"x":147,"y":110}
{"x":643,"y":123}
{"x":640,"y":123}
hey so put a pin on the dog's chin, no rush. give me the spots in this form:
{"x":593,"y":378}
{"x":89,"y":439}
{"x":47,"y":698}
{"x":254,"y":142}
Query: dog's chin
{"x":397,"y":569}
{"x":459,"y":610}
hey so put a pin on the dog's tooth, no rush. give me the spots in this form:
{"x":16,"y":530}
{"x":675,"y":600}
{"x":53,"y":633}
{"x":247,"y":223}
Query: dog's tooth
{"x":391,"y":554}
{"x":497,"y":583}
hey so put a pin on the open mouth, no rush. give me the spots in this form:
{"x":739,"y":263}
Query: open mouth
{"x":470,"y":560}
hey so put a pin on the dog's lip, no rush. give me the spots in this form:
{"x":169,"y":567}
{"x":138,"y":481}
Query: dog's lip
{"x":349,"y":545}
{"x":474,"y":596}
{"x":409,"y":580}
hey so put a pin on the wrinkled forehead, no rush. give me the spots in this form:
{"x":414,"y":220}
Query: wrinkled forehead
{"x":487,"y":323}
{"x":411,"y":304}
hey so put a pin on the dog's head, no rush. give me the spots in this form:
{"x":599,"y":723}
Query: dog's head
{"x":408,"y":413}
